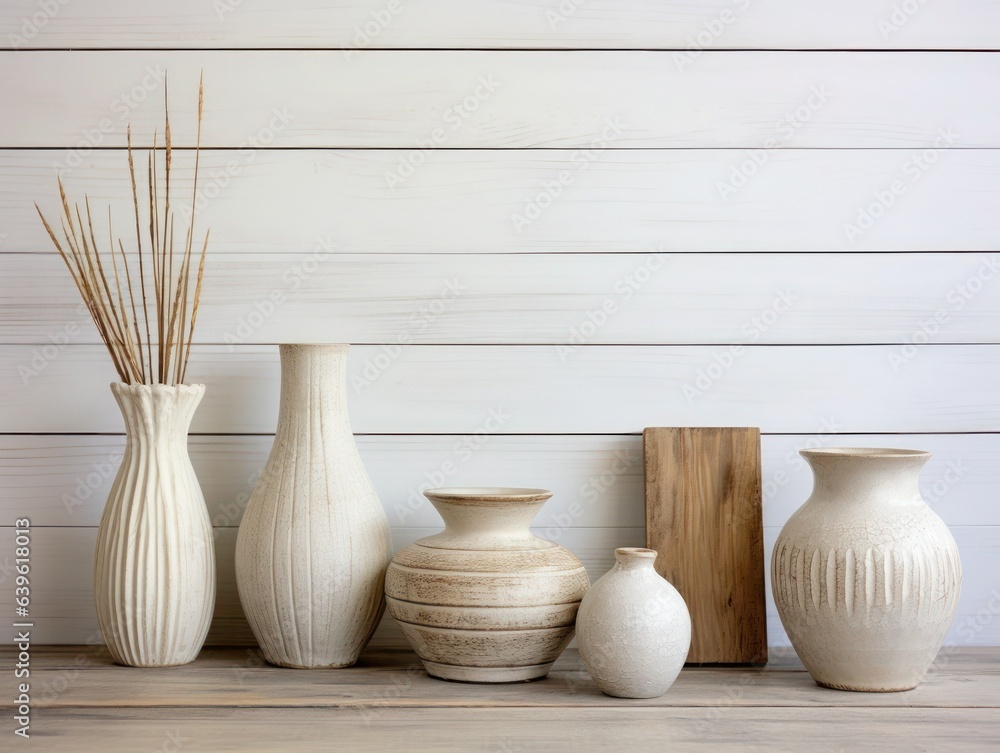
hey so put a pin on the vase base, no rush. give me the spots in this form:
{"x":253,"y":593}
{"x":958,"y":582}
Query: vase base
{"x":865,"y":688}
{"x":153,"y":665}
{"x":487,"y":674}
{"x":293,"y":665}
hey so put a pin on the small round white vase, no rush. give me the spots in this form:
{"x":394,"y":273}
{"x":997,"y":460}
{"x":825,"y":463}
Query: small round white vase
{"x":866,"y":577}
{"x":633,"y":628}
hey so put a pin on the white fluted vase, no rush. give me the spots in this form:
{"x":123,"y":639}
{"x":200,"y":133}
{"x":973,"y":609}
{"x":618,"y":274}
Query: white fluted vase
{"x":154,"y":571}
{"x":866,"y":577}
{"x":314,"y":542}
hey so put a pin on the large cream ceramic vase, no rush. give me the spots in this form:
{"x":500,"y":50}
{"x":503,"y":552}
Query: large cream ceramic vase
{"x":486,"y":600}
{"x":865,"y":575}
{"x":154,"y":571}
{"x":314,"y":541}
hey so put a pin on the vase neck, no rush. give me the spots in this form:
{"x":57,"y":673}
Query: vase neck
{"x":157,"y":412}
{"x":634,"y":559}
{"x":857,"y":476}
{"x":314,"y":382}
{"x":493,"y":520}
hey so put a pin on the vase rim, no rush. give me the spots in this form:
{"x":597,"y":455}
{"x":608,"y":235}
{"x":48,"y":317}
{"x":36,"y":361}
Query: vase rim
{"x":156,"y":387}
{"x":314,"y":345}
{"x":874,"y":453}
{"x":471,"y":495}
{"x":635,"y":552}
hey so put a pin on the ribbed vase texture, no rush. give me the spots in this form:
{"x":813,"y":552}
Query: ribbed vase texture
{"x":866,"y":577}
{"x":154,"y":574}
{"x":314,"y":541}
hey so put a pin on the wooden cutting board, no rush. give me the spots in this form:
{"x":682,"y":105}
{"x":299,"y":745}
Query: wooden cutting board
{"x":704,"y":517}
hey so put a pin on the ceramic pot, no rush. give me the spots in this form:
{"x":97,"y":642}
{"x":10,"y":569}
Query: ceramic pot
{"x":633,"y":628}
{"x":865,"y":575}
{"x":314,"y":541}
{"x":486,"y":600}
{"x":154,"y":570}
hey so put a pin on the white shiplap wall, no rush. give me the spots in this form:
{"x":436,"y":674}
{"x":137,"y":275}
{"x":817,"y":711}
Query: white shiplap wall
{"x":696,"y":168}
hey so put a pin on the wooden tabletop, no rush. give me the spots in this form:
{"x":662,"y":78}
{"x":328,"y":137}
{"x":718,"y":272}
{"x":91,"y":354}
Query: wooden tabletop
{"x":230,"y":700}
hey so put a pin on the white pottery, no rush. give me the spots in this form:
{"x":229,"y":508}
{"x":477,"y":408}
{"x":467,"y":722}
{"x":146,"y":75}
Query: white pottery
{"x":486,"y":600}
{"x":314,"y":541}
{"x":865,"y":575}
{"x":633,"y":628}
{"x":154,"y":570}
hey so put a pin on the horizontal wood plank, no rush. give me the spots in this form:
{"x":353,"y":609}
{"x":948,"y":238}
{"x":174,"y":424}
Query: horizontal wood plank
{"x":58,"y":480}
{"x":235,"y":677}
{"x":529,"y":201}
{"x":613,"y":726}
{"x":62,"y":606}
{"x":465,"y":390}
{"x":461,"y":99}
{"x":547,"y":298}
{"x":637,"y":24}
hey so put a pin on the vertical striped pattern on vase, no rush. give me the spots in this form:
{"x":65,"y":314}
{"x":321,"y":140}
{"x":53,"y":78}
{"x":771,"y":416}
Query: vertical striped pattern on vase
{"x":314,"y":541}
{"x":154,"y":571}
{"x":865,"y":576}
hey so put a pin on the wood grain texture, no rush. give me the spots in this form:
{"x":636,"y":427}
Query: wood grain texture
{"x":655,"y":299}
{"x":597,"y":24}
{"x":60,"y":480}
{"x":488,"y":730}
{"x":704,"y":518}
{"x":545,"y":200}
{"x":230,"y":700}
{"x":437,"y":730}
{"x":389,"y":679}
{"x":533,"y":390}
{"x":511,"y":99}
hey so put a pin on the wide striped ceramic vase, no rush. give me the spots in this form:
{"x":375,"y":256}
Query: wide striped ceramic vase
{"x":486,"y":600}
{"x":866,"y":577}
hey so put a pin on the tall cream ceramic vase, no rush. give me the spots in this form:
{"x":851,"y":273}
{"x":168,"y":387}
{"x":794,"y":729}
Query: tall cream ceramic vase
{"x":154,"y":571}
{"x":633,"y":628}
{"x":485,"y":600}
{"x":866,"y":577}
{"x":314,"y":541}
